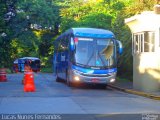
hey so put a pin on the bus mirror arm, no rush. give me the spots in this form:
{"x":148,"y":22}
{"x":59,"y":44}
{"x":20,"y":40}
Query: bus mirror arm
{"x":120,"y":47}
{"x":72,"y":45}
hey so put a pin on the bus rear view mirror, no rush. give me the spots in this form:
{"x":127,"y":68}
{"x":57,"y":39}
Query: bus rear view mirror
{"x":108,"y":51}
{"x":120,"y":47}
{"x":72,"y":45}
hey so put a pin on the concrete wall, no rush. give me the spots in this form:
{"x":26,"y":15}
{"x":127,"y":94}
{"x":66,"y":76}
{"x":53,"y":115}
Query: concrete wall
{"x":146,"y":65}
{"x":146,"y":21}
{"x":146,"y":71}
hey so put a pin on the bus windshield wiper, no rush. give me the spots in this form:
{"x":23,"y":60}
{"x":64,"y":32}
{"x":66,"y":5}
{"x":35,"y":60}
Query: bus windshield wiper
{"x":90,"y":58}
{"x":101,"y":59}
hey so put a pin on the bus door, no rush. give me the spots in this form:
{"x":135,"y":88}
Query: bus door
{"x":58,"y":66}
{"x":58,"y":62}
{"x":35,"y":65}
{"x":63,"y":64}
{"x":54,"y":62}
{"x":21,"y":65}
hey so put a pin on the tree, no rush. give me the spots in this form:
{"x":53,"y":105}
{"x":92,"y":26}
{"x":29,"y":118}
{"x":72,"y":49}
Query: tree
{"x":138,"y":6}
{"x":4,"y":34}
{"x":87,"y":13}
{"x":35,"y":20}
{"x":28,"y":28}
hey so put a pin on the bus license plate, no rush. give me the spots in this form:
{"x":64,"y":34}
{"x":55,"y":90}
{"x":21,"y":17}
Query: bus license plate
{"x":95,"y":80}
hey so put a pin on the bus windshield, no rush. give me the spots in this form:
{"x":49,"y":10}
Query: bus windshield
{"x":98,"y":53}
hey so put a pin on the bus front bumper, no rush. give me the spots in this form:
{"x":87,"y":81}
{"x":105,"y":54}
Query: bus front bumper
{"x":93,"y":79}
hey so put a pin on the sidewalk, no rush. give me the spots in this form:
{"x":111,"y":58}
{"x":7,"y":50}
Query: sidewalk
{"x":126,"y":84}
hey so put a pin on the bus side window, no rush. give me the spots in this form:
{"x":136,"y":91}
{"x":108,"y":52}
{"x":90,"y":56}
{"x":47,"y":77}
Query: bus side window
{"x":63,"y":57}
{"x":58,"y":51}
{"x":71,"y":53}
{"x":55,"y":52}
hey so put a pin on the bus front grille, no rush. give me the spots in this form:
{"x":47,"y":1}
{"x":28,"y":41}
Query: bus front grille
{"x":96,"y":75}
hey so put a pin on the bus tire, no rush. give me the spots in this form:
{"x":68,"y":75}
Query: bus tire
{"x":69,"y":83}
{"x":102,"y":86}
{"x":56,"y":76}
{"x":57,"y":79}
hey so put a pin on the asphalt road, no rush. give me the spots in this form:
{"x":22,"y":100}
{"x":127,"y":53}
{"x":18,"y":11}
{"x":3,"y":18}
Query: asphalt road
{"x":69,"y":103}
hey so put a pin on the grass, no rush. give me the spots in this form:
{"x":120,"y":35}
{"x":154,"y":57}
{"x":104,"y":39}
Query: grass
{"x":124,"y":79}
{"x":43,"y":70}
{"x":8,"y":70}
{"x":46,"y":70}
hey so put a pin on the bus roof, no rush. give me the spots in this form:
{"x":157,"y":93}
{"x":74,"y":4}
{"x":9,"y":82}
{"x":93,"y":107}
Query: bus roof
{"x":90,"y":32}
{"x":21,"y":60}
{"x":31,"y":58}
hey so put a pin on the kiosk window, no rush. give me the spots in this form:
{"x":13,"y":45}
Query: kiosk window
{"x":143,"y":42}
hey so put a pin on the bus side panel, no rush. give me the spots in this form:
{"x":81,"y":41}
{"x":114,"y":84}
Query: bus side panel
{"x":58,"y":67}
{"x":63,"y":64}
{"x":54,"y":62}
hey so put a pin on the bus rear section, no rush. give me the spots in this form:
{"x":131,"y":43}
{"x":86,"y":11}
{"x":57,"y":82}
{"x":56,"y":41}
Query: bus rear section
{"x":20,"y":63}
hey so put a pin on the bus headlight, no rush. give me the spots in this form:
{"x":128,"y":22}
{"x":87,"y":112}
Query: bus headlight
{"x":76,"y":78}
{"x":112,"y":80}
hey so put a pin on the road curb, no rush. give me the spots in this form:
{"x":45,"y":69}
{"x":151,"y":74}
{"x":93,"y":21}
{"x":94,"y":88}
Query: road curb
{"x":148,"y":95}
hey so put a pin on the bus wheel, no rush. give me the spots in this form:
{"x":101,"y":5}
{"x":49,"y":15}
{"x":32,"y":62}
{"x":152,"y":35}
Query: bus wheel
{"x":56,"y":76}
{"x":57,"y":79}
{"x":69,"y":83}
{"x":102,"y":86}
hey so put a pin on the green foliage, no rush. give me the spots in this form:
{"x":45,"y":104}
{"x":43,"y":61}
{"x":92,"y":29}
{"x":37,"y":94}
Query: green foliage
{"x":30,"y":31}
{"x":123,"y":33}
{"x":118,"y":6}
{"x":3,"y":29}
{"x":99,"y":14}
{"x":85,"y":14}
{"x":138,"y":6}
{"x":2,"y":12}
{"x":9,"y":71}
{"x":47,"y":69}
{"x":97,"y":20}
{"x":39,"y":12}
{"x":67,"y":23}
{"x":25,"y":44}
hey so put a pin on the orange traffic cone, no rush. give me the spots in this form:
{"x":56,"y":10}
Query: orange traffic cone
{"x":23,"y":80}
{"x":3,"y":73}
{"x":29,"y":82}
{"x":27,"y":68}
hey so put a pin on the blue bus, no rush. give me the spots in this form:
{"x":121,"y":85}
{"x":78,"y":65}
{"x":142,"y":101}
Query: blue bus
{"x":86,"y":55}
{"x":20,"y":63}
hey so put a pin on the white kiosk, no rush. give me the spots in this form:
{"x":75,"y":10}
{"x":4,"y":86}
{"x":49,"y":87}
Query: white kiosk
{"x":145,"y":29}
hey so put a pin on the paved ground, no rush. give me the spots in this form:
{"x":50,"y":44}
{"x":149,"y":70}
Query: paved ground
{"x":57,"y":98}
{"x":129,"y":85}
